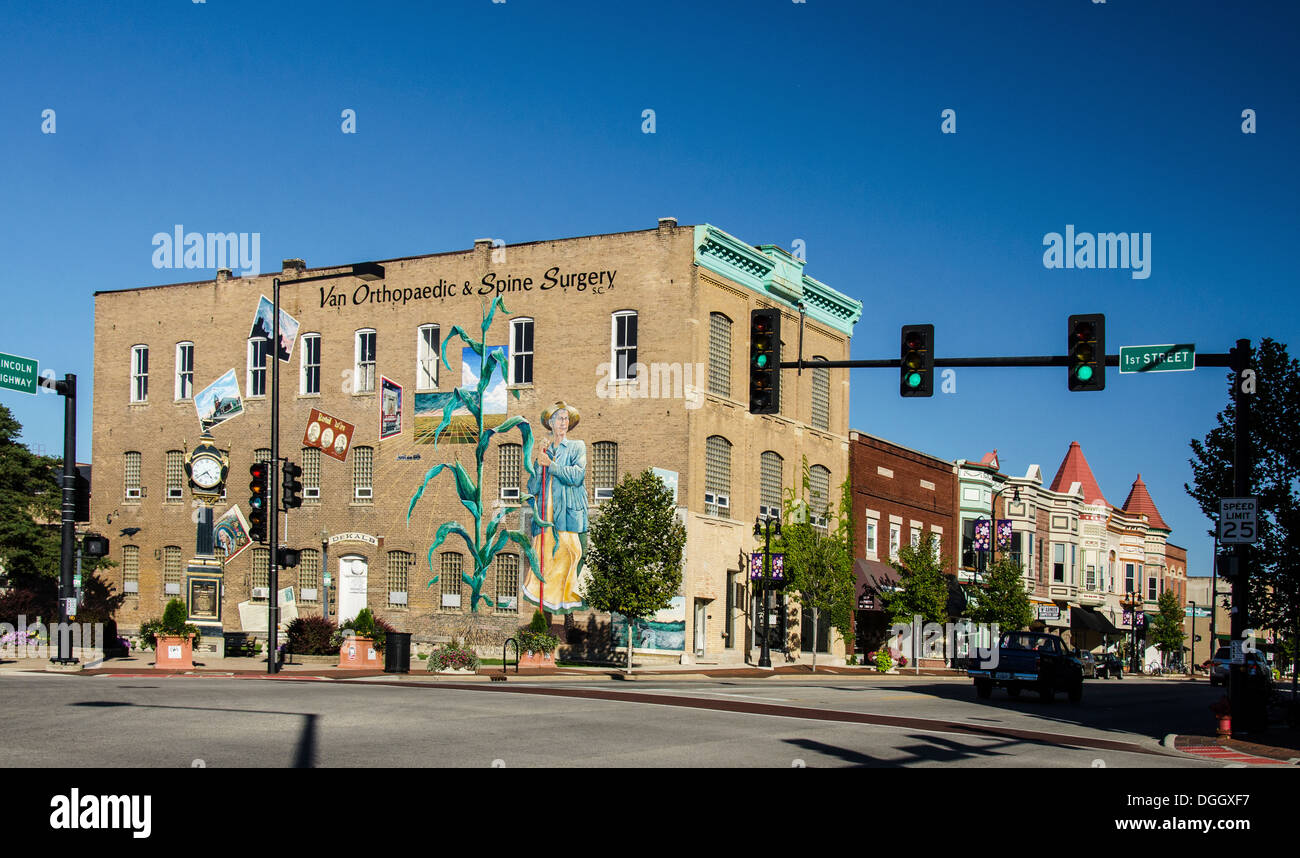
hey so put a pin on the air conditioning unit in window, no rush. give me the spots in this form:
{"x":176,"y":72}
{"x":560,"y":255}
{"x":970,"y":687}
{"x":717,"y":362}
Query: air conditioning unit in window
{"x":397,"y":598}
{"x":510,"y":494}
{"x":765,"y":511}
{"x":311,"y":492}
{"x":364,"y":493}
{"x":172,"y":588}
{"x":134,"y":494}
{"x":604,"y":494}
{"x":310,"y":594}
{"x":261,"y":592}
{"x":175,"y":494}
{"x":131,"y":586}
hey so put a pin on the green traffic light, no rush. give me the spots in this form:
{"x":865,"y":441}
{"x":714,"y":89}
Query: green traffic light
{"x":1084,"y":373}
{"x":913,"y":379}
{"x":761,"y":360}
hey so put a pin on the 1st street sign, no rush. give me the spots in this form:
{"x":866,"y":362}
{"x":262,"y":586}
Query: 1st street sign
{"x":17,"y":373}
{"x":1179,"y":357}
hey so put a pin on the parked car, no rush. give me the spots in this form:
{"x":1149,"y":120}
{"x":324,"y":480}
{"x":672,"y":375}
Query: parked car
{"x":1221,"y":664}
{"x":1088,"y":663}
{"x":1110,"y":666}
{"x":1040,"y":662}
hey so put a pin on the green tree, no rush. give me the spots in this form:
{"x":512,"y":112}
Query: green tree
{"x":30,"y":504}
{"x":636,"y":552}
{"x":1274,"y":584}
{"x":1003,"y":599}
{"x":922,"y":584}
{"x":1166,"y":630}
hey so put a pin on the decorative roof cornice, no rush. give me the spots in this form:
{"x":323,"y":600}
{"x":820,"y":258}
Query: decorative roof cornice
{"x":777,"y":275}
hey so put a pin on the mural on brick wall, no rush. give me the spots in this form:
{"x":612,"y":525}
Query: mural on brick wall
{"x":557,"y":488}
{"x":473,"y":405}
{"x":483,"y":543}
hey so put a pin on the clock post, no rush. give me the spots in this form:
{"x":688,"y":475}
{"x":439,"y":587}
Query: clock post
{"x":207,"y":468}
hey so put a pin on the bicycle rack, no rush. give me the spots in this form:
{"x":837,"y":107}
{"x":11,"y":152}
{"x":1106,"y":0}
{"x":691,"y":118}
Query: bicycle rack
{"x":505,"y":663}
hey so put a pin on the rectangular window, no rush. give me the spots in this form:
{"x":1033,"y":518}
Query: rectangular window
{"x":131,"y":569}
{"x":175,"y":471}
{"x":770,"y":468}
{"x":623,"y":345}
{"x":364,"y":370}
{"x":719,"y":354}
{"x":511,"y":458}
{"x":428,"y":346}
{"x":185,"y":370}
{"x":916,"y":536}
{"x":821,"y":399}
{"x":172,"y":577}
{"x":1073,"y":565}
{"x":311,"y":475}
{"x":1129,"y":586}
{"x":258,"y":349}
{"x":521,"y":351}
{"x":140,"y":374}
{"x":399,"y":565}
{"x":507,"y":584}
{"x":260,"y":577}
{"x":604,"y":470}
{"x":309,"y":380}
{"x":717,"y":476}
{"x":362,"y":474}
{"x":968,"y":552}
{"x":871,"y":537}
{"x":1058,"y":563}
{"x":895,"y":537}
{"x":1152,"y":593}
{"x":134,"y":491}
{"x":309,"y":576}
{"x":449,"y":579}
{"x":1090,"y":574}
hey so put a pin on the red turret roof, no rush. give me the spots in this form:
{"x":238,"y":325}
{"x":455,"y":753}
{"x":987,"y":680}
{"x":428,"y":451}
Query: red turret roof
{"x":1074,"y":469}
{"x":1139,"y":503}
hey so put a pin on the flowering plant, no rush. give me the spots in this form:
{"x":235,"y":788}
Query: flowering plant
{"x":453,"y":656}
{"x":884,"y":663}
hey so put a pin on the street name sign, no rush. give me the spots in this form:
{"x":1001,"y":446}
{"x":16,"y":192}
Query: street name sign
{"x":17,"y":373}
{"x":1238,"y":521}
{"x":1179,"y":357}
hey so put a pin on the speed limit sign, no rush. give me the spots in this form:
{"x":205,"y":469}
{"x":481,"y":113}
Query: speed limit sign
{"x":1238,"y":520}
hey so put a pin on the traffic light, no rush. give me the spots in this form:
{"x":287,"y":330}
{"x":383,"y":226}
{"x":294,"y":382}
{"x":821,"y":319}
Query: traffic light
{"x":292,"y":487}
{"x":258,"y":494}
{"x":1087,"y":352}
{"x":916,"y":367}
{"x":765,"y":361}
{"x":286,"y":558}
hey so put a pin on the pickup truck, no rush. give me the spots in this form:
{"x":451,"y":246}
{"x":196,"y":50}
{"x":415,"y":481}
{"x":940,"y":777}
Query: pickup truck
{"x":1040,"y":662}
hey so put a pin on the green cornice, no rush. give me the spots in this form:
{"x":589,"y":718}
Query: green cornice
{"x":774,"y":273}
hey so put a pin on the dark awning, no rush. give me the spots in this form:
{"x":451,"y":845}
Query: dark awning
{"x":871,"y":578}
{"x":1090,"y":619}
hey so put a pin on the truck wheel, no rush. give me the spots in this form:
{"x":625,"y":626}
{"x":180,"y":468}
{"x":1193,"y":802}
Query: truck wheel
{"x":1013,"y":691}
{"x":983,"y":689}
{"x":1076,"y":692}
{"x":1046,"y":692}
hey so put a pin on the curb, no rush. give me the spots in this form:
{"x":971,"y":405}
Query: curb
{"x":1204,"y":747}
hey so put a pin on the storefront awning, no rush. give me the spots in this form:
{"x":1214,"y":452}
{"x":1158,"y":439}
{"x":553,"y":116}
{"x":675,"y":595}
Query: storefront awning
{"x":871,"y":578}
{"x":1090,"y":619}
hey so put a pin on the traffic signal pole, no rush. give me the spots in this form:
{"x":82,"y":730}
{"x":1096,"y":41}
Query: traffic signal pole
{"x":68,"y":534}
{"x":1248,"y":714}
{"x":273,"y":491}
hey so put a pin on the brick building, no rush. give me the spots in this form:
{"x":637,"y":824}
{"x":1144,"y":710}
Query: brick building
{"x":644,"y":332}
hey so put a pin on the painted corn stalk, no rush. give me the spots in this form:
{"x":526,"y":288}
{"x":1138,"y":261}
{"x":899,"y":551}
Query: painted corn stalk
{"x":485,"y":542}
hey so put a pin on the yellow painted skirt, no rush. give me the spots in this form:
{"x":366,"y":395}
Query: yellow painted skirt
{"x":558,"y":563}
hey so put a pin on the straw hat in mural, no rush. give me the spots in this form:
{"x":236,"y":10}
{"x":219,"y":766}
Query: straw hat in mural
{"x":574,"y":416}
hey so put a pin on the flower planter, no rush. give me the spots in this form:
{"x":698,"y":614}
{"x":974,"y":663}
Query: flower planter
{"x":1225,"y":725}
{"x":359,"y":654}
{"x":456,"y":671}
{"x":174,"y":652}
{"x":537,"y":659}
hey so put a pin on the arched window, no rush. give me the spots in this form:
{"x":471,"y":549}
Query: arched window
{"x":819,"y":501}
{"x":717,"y":476}
{"x":770,"y":471}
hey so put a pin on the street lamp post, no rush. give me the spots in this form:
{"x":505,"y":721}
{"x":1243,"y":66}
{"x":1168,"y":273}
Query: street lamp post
{"x":763,"y":527}
{"x":363,"y":271}
{"x":1131,"y":602}
{"x":993,"y":526}
{"x":1191,"y":661}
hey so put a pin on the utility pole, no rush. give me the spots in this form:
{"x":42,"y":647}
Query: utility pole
{"x":1245,"y":715}
{"x":68,"y":545}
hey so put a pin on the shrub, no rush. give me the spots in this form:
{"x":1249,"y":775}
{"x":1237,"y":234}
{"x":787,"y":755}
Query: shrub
{"x":884,"y":662}
{"x":536,"y":636}
{"x":364,"y":625}
{"x":172,"y":624}
{"x":311,"y":636}
{"x":453,"y":656}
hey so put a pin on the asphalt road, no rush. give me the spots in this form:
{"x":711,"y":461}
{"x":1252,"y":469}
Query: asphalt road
{"x":133,"y":722}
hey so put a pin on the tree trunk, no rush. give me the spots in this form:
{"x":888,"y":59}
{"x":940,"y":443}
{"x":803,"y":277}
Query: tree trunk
{"x":814,"y":641}
{"x":631,"y":630}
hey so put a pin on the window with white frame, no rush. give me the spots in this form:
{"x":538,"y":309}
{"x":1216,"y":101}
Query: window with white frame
{"x":511,"y":460}
{"x":507,"y":600}
{"x":453,"y":565}
{"x":821,"y":397}
{"x":185,"y":370}
{"x":131,"y":570}
{"x":311,"y":474}
{"x":260,"y":575}
{"x":428,"y":347}
{"x":604,"y":470}
{"x":771,"y":467}
{"x":719,"y":354}
{"x":521,"y":351}
{"x":174,"y":469}
{"x":895,"y":538}
{"x":172,"y":576}
{"x":309,"y":360}
{"x":363,"y":378}
{"x":309,"y":576}
{"x":872,"y":525}
{"x":363,"y":459}
{"x":916,"y":537}
{"x":936,"y":545}
{"x":139,"y":373}
{"x":399,"y":567}
{"x":1058,"y":563}
{"x":717,"y":476}
{"x":1152,"y":592}
{"x":131,"y":471}
{"x":623,"y":343}
{"x":258,"y":349}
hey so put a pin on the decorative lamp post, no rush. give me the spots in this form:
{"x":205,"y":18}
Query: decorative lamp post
{"x":764,"y":527}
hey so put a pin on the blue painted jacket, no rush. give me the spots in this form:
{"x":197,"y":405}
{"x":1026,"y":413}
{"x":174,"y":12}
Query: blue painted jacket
{"x":567,"y":479}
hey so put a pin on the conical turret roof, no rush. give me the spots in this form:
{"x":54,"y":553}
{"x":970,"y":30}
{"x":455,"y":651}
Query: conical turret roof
{"x":1074,"y":469}
{"x":1139,"y":503}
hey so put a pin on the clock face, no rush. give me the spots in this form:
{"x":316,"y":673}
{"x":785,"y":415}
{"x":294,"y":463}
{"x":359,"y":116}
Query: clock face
{"x":206,"y":472}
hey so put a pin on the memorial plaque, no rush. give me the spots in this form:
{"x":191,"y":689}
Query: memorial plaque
{"x":203,"y":600}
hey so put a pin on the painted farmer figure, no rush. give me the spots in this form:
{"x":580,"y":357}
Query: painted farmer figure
{"x":559,"y":495}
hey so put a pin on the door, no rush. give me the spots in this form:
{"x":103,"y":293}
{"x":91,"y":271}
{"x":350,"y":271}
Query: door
{"x":353,"y":579}
{"x":701,"y":620}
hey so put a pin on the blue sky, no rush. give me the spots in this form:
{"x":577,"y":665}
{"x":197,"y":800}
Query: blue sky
{"x":775,"y":121}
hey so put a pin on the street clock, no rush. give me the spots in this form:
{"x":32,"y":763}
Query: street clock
{"x":207,"y":468}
